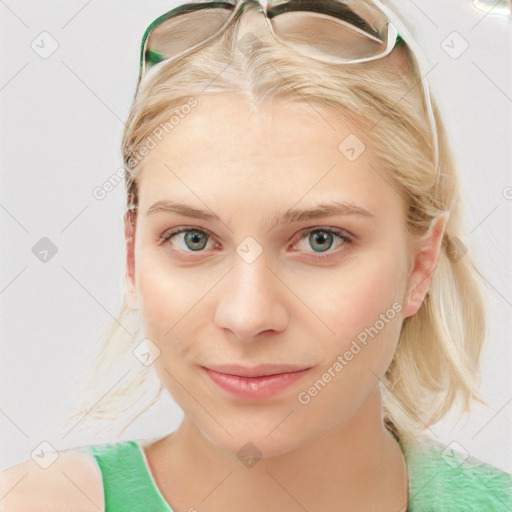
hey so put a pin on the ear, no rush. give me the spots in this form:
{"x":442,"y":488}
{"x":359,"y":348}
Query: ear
{"x":129,"y":278}
{"x":425,"y":258}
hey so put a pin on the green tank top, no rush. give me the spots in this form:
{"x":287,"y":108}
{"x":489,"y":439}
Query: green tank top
{"x":440,"y":480}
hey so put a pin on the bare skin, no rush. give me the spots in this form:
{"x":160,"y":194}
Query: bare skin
{"x":210,"y":306}
{"x":196,"y":475}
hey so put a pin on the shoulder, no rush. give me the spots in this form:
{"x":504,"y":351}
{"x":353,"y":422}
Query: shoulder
{"x":72,"y":481}
{"x":446,"y":477}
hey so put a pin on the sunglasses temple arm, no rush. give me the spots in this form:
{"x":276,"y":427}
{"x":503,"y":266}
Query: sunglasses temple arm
{"x":423,"y":70}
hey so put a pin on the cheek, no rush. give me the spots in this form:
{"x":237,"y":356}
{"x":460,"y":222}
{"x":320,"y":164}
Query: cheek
{"x":153,"y":287}
{"x":358,"y":295}
{"x":172,"y":301}
{"x":167,"y":314}
{"x":164,"y":297}
{"x":363,"y":309}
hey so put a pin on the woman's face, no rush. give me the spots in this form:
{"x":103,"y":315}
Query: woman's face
{"x":247,"y":284}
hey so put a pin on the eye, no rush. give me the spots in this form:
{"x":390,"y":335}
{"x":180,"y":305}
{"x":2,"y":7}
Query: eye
{"x":195,"y":239}
{"x":323,"y":239}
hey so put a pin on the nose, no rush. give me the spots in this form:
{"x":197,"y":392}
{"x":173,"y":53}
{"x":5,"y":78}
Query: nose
{"x":252,"y":301}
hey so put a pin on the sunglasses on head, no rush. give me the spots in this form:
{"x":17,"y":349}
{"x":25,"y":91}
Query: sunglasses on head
{"x":332,"y":31}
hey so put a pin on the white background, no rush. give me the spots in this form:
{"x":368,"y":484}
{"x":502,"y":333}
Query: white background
{"x":61,"y":124}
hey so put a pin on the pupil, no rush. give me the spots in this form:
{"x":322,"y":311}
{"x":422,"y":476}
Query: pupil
{"x":323,"y":237}
{"x":194,"y":237}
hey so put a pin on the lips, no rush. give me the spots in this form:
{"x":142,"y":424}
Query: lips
{"x":256,"y":382}
{"x":256,"y":371}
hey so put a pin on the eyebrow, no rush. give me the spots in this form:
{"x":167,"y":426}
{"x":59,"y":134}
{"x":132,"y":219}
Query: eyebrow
{"x":289,"y":216}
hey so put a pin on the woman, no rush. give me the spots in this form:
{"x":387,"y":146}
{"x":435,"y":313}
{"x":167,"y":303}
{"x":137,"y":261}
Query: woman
{"x":291,"y":261}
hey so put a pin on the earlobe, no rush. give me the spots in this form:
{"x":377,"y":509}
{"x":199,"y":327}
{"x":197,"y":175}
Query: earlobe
{"x":424,"y":264}
{"x":129,"y":235}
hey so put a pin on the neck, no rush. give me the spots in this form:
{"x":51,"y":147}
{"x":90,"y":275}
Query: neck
{"x":359,"y":464}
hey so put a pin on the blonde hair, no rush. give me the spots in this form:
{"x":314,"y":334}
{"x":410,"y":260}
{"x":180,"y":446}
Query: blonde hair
{"x":436,"y":362}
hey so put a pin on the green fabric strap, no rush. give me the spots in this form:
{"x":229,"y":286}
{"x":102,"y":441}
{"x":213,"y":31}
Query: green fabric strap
{"x":127,"y":485}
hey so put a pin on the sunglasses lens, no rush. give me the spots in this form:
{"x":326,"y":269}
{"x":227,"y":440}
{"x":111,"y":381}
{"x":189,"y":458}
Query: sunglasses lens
{"x":345,"y":31}
{"x":182,"y":32}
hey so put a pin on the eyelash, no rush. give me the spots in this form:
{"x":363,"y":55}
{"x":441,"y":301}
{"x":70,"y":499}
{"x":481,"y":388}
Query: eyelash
{"x":341,"y":234}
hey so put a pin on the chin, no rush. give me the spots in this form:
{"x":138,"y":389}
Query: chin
{"x":250,"y":442}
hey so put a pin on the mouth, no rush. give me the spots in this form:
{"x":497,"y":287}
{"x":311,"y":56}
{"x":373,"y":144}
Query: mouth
{"x":255,"y":382}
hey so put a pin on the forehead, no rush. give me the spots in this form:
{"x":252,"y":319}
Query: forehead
{"x":223,"y":128}
{"x":284,"y":151}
